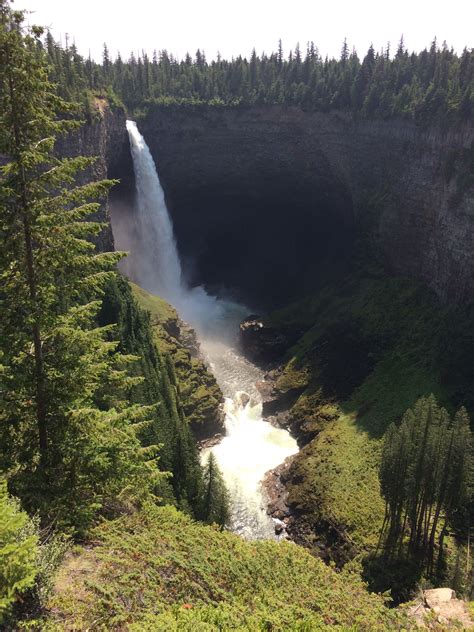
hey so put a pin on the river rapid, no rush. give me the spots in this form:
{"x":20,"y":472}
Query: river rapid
{"x":251,"y":446}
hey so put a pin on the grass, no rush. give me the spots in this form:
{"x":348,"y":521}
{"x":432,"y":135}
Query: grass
{"x":337,"y":483}
{"x":371,"y":348}
{"x":158,"y":570}
{"x":161,"y":311}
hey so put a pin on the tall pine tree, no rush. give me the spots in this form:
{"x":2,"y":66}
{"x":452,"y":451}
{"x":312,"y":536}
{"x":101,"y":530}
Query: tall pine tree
{"x":426,"y":479}
{"x":216,"y":502}
{"x":68,"y":438}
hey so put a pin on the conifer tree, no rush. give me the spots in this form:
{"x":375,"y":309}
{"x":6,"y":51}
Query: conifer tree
{"x":67,"y":435}
{"x":216,"y":507}
{"x":18,"y":551}
{"x":426,"y":479}
{"x":344,"y":51}
{"x":426,"y":86}
{"x":169,"y":426}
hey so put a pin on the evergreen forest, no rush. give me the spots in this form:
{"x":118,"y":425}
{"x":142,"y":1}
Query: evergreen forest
{"x":432,"y":85}
{"x":114,"y":515}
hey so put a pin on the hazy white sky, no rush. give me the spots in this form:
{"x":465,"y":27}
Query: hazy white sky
{"x":234,"y":27}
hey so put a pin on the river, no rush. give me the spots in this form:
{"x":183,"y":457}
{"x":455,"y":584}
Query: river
{"x":251,"y":445}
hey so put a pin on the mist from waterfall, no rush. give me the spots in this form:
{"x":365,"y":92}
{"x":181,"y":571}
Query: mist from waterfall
{"x":251,"y":445}
{"x":153,"y":262}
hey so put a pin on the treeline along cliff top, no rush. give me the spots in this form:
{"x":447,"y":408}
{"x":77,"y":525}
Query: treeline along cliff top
{"x":434,"y":84}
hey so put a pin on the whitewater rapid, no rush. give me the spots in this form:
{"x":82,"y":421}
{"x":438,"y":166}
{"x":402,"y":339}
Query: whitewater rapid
{"x":251,"y":446}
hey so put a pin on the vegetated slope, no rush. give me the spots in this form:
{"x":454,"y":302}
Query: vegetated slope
{"x":372,"y":347}
{"x":200,"y":393}
{"x":158,"y":570}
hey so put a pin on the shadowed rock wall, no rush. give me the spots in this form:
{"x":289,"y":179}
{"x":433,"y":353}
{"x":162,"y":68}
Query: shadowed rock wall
{"x":266,"y":201}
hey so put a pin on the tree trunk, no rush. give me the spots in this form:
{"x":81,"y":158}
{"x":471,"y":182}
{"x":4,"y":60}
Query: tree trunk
{"x":38,"y":350}
{"x":384,"y":524}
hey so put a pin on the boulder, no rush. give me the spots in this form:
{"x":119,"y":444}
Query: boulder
{"x":242,"y":399}
{"x":266,"y":390}
{"x":437,"y":596}
{"x":261,"y":343}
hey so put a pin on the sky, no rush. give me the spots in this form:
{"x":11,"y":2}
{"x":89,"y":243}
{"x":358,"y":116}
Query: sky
{"x":235,"y":27}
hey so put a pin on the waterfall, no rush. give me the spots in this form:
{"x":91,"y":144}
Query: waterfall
{"x":251,"y":445}
{"x":157,"y":265}
{"x":153,"y":262}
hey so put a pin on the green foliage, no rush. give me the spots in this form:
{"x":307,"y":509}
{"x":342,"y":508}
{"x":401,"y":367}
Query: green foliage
{"x":402,"y":344}
{"x":51,"y":553}
{"x":158,"y":387}
{"x":215,"y":497}
{"x":18,"y":552}
{"x":334,"y":487}
{"x":157,"y":570}
{"x":29,"y":560}
{"x":199,"y":392}
{"x":435,"y":84}
{"x":68,"y":434}
{"x":425,"y":478}
{"x":392,"y":331}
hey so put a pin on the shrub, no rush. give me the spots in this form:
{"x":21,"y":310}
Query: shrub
{"x":18,"y":551}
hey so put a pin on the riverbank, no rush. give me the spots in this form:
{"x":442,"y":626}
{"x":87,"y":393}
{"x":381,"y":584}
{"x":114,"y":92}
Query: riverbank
{"x":369,"y":348}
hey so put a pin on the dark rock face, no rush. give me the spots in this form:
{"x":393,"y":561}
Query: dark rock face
{"x":103,"y":138}
{"x":120,"y":167}
{"x":260,"y":343}
{"x":267,"y":200}
{"x":250,"y":211}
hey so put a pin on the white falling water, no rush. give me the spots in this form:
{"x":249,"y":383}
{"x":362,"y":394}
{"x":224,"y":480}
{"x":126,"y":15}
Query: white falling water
{"x":251,"y":446}
{"x":153,"y":229}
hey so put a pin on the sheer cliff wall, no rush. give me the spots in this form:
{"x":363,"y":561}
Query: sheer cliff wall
{"x":266,"y":201}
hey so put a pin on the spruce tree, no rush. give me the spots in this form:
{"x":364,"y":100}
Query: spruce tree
{"x":216,"y":507}
{"x":426,"y":479}
{"x":67,"y":434}
{"x":426,"y":86}
{"x":169,"y":426}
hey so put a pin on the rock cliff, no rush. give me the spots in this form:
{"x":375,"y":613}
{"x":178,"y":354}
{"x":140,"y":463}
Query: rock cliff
{"x":266,"y":200}
{"x":200,"y":394}
{"x":105,"y":138}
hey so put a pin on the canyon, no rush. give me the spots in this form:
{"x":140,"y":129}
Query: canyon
{"x":237,"y":337}
{"x":268,"y":203}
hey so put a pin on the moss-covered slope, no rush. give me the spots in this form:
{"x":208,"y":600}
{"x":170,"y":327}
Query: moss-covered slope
{"x":372,"y":346}
{"x":200,"y":393}
{"x":158,"y":570}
